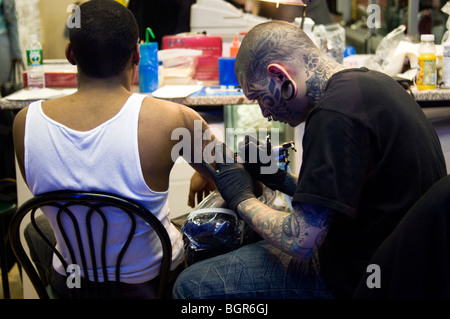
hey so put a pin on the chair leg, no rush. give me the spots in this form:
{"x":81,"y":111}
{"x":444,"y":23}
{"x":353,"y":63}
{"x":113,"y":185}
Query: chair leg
{"x":4,"y":262}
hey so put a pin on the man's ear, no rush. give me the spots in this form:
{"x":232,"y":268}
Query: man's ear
{"x":288,"y":86}
{"x":136,"y":55}
{"x":278,"y":71}
{"x":69,"y":54}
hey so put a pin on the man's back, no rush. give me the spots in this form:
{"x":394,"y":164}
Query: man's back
{"x":119,"y":143}
{"x":104,"y":138}
{"x":157,"y":120}
{"x":382,"y":155}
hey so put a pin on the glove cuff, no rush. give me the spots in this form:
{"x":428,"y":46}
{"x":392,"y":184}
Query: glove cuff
{"x":274,"y":181}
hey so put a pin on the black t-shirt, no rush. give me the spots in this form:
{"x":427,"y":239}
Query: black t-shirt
{"x":369,"y":153}
{"x":420,"y":269}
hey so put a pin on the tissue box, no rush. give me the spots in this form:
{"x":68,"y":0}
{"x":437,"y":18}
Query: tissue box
{"x":178,"y":66}
{"x":57,"y":75}
{"x":208,"y":63}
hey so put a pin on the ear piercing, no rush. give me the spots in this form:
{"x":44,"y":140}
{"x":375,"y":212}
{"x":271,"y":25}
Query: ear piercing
{"x":288,"y":90}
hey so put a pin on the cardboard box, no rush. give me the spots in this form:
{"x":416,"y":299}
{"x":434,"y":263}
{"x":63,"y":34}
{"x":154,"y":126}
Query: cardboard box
{"x":208,"y":63}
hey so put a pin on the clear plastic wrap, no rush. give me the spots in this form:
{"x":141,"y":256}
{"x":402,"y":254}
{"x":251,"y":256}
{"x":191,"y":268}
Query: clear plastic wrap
{"x":213,"y":229}
{"x":391,"y":52}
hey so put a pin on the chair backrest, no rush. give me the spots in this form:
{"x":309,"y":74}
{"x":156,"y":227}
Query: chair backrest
{"x":96,"y":204}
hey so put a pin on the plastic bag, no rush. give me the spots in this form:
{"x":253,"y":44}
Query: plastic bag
{"x":331,"y":40}
{"x":213,"y":229}
{"x":178,"y":65}
{"x":446,"y":10}
{"x":388,"y":57}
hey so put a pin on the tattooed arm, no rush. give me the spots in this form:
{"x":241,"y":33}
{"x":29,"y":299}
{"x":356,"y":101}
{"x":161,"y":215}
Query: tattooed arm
{"x":299,"y":234}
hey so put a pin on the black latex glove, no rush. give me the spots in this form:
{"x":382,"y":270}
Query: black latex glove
{"x":233,"y":182}
{"x":254,"y":166}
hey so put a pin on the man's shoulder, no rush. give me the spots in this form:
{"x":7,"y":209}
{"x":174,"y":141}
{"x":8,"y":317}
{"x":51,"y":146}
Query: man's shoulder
{"x":169,"y":114}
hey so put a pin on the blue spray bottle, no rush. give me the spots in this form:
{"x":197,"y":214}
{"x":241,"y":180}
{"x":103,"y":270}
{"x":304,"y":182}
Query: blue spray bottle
{"x":148,"y":66}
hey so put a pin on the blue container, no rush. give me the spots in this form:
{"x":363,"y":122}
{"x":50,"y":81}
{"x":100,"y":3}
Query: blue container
{"x":226,"y":72}
{"x":148,"y":67}
{"x":349,"y":51}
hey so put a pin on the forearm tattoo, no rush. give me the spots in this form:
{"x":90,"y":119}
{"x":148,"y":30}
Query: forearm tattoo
{"x":299,"y":233}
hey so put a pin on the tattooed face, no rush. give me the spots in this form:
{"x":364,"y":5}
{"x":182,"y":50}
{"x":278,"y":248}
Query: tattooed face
{"x":285,"y":45}
{"x":272,"y":104}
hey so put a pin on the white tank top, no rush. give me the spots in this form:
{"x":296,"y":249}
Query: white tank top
{"x":104,"y":159}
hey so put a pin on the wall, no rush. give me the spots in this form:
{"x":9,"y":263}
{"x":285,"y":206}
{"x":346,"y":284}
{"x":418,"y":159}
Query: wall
{"x":54,"y":17}
{"x":47,"y":19}
{"x":29,"y":21}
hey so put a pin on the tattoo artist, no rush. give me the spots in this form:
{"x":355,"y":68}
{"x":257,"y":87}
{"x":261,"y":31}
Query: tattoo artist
{"x":369,"y":153}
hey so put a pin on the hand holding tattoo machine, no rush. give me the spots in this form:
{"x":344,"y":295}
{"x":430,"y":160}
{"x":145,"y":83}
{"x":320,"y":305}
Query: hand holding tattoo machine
{"x":280,"y":153}
{"x":213,"y":228}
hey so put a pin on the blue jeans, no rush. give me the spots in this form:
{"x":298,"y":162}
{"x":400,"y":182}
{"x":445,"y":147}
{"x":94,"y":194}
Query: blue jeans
{"x":254,"y":271}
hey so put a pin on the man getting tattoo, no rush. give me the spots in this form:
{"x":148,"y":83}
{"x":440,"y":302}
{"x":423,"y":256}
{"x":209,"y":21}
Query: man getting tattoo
{"x":369,"y":153}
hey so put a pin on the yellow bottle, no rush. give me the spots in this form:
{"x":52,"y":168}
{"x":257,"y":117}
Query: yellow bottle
{"x":426,"y":78}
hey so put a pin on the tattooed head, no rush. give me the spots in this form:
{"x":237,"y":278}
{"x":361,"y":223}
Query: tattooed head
{"x":295,"y":57}
{"x":268,"y":42}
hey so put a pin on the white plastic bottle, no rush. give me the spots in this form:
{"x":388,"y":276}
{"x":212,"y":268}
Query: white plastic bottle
{"x":446,"y":49}
{"x":446,"y":60}
{"x":35,"y":70}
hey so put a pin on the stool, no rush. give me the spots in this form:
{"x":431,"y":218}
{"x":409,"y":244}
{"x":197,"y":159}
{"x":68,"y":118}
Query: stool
{"x":6,"y":210}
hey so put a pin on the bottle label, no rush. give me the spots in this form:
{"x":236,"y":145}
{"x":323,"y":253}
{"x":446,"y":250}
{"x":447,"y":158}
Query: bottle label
{"x":446,"y":52}
{"x":446,"y":65}
{"x":34,"y":57}
{"x":427,"y":72}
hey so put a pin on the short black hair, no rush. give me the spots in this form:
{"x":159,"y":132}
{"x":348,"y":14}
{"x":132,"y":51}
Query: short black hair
{"x":106,"y":38}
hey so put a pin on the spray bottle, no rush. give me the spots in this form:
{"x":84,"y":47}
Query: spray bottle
{"x":446,"y":49}
{"x":148,"y":66}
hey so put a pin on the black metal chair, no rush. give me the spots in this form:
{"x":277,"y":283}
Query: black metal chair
{"x":6,"y":210}
{"x":96,"y":205}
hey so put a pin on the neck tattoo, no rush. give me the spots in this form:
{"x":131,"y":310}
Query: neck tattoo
{"x":318,"y":71}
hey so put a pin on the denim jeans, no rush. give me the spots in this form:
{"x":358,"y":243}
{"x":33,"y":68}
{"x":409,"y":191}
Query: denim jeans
{"x":254,"y":271}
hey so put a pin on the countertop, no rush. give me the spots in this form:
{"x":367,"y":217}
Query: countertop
{"x":216,"y":97}
{"x":206,"y":97}
{"x":440,"y":94}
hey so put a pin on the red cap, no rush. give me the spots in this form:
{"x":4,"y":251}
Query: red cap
{"x":235,"y":46}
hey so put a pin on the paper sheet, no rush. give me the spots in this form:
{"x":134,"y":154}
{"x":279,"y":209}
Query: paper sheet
{"x":176,"y":91}
{"x":39,"y":94}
